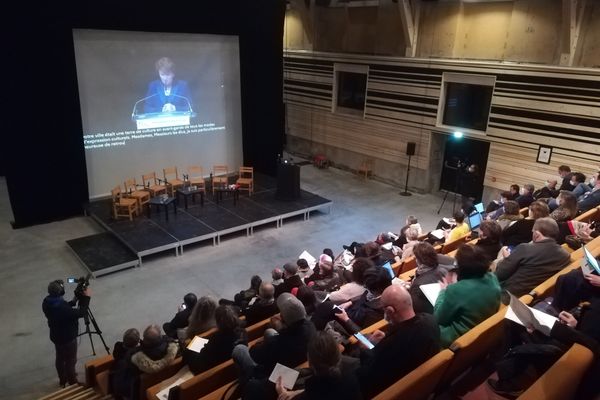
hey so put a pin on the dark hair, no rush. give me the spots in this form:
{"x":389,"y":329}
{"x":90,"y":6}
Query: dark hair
{"x":506,"y":195}
{"x":579,"y":177}
{"x":307,"y":297}
{"x":539,"y":209}
{"x":323,"y":354}
{"x":492,"y":230}
{"x":226,"y":319}
{"x":359,"y":267}
{"x":329,"y":252}
{"x":564,"y":168}
{"x":302,"y":264}
{"x":459,"y":216}
{"x":511,"y":207}
{"x":255,"y":282}
{"x":371,"y":249}
{"x":377,"y":279}
{"x":190,"y":300}
{"x":569,"y":202}
{"x":472,"y":262}
{"x":131,"y":338}
{"x":425,"y":254}
{"x":515,"y":187}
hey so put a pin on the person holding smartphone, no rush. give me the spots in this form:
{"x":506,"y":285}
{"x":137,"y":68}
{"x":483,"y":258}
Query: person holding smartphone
{"x":180,"y":320}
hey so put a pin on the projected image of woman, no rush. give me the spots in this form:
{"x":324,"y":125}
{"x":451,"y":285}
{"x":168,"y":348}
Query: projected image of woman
{"x":167,"y":94}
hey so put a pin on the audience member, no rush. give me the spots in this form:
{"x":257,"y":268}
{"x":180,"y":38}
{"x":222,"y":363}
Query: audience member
{"x":548,"y":191}
{"x":411,"y":221}
{"x":511,"y":214}
{"x":122,"y":373}
{"x":325,"y":279}
{"x":411,"y":339}
{"x":355,"y":288}
{"x":496,"y":208}
{"x":220,"y":344}
{"x":180,"y":320}
{"x":521,"y":231}
{"x":565,"y":173}
{"x":285,"y":346}
{"x":277,"y":276}
{"x":291,"y":279}
{"x":308,"y":298}
{"x":489,"y":239}
{"x":573,"y":288}
{"x":412,"y":236}
{"x":459,"y":230}
{"x":262,"y":306}
{"x":243,"y":297}
{"x":592,"y":198}
{"x":515,"y":191}
{"x":428,"y":271}
{"x":367,"y":309}
{"x":581,"y":187}
{"x":327,"y":380}
{"x":567,"y":207}
{"x":474,"y":296}
{"x":155,"y":352}
{"x":530,"y":264}
{"x":304,"y":270}
{"x":202,"y":317}
{"x":526,"y":196}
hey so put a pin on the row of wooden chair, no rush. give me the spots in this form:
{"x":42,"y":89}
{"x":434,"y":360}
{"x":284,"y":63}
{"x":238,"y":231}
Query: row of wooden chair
{"x":131,"y":202}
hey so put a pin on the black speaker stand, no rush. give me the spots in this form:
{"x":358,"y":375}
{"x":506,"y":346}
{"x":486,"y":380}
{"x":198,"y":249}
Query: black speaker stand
{"x":406,"y":192}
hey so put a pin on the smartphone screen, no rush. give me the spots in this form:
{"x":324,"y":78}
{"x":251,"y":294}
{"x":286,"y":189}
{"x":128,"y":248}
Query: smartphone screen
{"x":361,"y":338}
{"x":71,"y":280}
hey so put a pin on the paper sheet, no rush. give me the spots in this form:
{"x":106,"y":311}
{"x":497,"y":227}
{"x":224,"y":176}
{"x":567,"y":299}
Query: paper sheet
{"x":164,"y":394}
{"x":544,"y":319}
{"x":197,"y":344}
{"x":431,"y":291}
{"x":288,"y":375}
{"x":438,"y":233}
{"x":309,"y":259}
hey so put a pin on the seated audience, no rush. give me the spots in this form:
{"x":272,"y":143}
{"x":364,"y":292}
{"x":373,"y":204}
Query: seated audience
{"x":327,"y":380}
{"x":573,"y":288}
{"x":276,"y":276}
{"x":526,"y":196}
{"x":515,"y":191}
{"x":122,"y":374}
{"x":510,"y":214}
{"x":202,"y":317}
{"x":489,"y":239}
{"x":304,"y":270}
{"x":567,"y":207}
{"x":474,"y":296}
{"x":262,"y":306}
{"x":411,"y":221}
{"x":461,"y":228}
{"x":220,"y":345}
{"x":496,"y":208}
{"x":565,"y":173}
{"x":367,"y":309}
{"x":355,"y":288}
{"x":412,"y":236}
{"x":412,"y":338}
{"x":548,"y":191}
{"x":308,"y":298}
{"x":581,"y":186}
{"x":372,"y":251}
{"x":530,"y":264}
{"x":155,"y":352}
{"x":243,"y":297}
{"x":326,"y":278}
{"x":592,"y":198}
{"x":286,"y":346}
{"x":521,"y":231}
{"x":291,"y":279}
{"x":428,"y":271}
{"x":180,"y":320}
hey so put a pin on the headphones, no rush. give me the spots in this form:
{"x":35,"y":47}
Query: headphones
{"x":56,"y":288}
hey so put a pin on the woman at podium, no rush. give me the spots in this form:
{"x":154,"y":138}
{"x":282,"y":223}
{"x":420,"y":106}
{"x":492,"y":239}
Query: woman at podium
{"x":167,"y":94}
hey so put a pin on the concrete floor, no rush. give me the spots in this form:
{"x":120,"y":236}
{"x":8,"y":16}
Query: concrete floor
{"x":32,"y":257}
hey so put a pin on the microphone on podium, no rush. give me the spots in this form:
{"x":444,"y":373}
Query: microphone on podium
{"x":189,"y":104}
{"x":133,"y":114}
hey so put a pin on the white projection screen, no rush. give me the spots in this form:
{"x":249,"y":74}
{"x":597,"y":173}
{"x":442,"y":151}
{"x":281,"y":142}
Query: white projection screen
{"x":156,"y":100}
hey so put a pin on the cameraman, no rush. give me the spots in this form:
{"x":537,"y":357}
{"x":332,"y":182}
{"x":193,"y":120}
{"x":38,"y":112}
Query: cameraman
{"x":469,"y":186}
{"x":64,"y":329}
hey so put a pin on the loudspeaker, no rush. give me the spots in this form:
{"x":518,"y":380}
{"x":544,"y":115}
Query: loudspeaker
{"x":410,"y":148}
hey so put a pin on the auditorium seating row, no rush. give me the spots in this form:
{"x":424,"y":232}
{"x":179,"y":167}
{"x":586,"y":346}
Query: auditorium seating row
{"x":434,"y":375}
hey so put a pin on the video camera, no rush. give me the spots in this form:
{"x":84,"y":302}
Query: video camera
{"x":82,"y":284}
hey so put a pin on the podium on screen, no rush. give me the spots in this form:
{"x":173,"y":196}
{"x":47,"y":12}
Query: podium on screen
{"x":163,"y":119}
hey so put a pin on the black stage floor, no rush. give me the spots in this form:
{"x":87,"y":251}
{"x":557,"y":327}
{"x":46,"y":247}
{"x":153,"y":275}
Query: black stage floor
{"x":148,"y":235}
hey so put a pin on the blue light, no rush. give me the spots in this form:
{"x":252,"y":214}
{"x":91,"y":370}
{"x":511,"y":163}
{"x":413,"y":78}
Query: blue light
{"x":458,"y":134}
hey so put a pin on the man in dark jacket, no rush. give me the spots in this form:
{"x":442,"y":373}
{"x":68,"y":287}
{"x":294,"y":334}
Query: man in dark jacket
{"x":263,"y":306}
{"x":180,"y":320}
{"x":530,"y":264}
{"x":410,"y":341}
{"x":63,"y":319}
{"x":291,"y":279}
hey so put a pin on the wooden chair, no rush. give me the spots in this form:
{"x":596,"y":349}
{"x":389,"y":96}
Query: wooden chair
{"x":589,"y":216}
{"x":142,"y":196}
{"x":560,"y":382}
{"x":421,"y":382}
{"x":151,"y":184}
{"x":196,"y":177}
{"x":365,"y":168}
{"x":123,"y":206}
{"x":246,"y":180}
{"x":220,"y":176}
{"x":172,"y":178}
{"x":455,"y":244}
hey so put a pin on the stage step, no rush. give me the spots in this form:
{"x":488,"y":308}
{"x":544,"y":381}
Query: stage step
{"x":103,"y":253}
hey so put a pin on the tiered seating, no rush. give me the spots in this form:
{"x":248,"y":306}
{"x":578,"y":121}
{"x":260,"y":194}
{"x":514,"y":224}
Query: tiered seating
{"x":76,"y":392}
{"x":589,"y":216}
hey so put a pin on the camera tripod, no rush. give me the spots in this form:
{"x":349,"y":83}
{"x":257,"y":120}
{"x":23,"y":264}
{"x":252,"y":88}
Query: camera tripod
{"x":458,"y":170}
{"x":87,"y":318}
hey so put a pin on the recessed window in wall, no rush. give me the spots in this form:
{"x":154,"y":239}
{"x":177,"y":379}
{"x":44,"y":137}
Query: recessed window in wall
{"x":350,"y":89}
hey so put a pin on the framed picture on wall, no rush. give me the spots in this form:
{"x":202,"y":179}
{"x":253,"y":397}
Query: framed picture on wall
{"x":544,"y":154}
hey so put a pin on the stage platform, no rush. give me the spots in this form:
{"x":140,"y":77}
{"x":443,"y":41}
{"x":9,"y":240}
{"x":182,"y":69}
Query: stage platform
{"x":155,"y":234}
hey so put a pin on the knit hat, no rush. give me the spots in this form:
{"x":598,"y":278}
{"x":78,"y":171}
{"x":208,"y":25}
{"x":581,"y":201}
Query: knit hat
{"x":290,"y":308}
{"x":290,"y":268}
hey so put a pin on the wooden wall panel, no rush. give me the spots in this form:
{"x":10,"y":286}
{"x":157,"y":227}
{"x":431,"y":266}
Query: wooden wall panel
{"x":590,"y":55}
{"x":531,"y":106}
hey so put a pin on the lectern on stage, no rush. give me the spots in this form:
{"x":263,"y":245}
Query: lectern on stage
{"x":163,"y":119}
{"x":288,"y":181}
